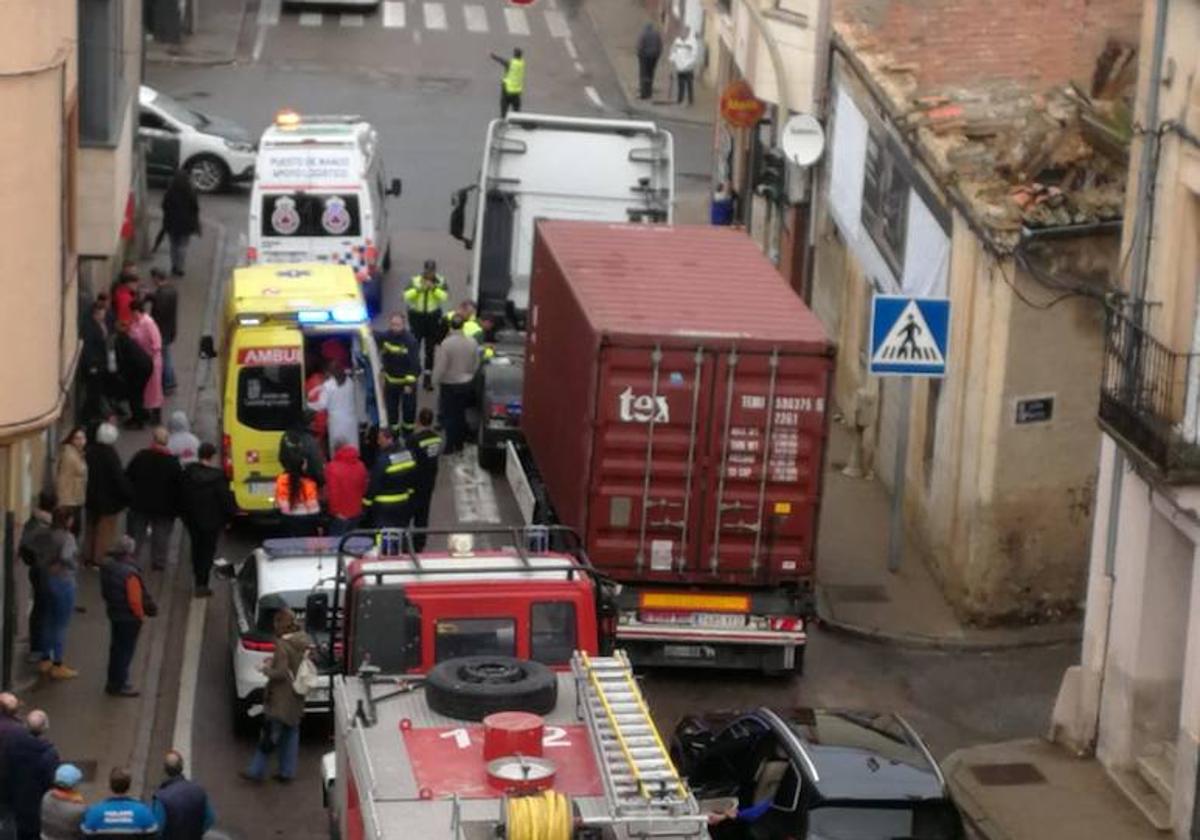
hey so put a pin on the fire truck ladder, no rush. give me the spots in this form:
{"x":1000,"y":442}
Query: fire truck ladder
{"x":640,"y":779}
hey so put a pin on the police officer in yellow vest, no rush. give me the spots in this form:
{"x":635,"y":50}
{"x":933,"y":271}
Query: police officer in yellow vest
{"x":513,"y":82}
{"x":424,"y":299}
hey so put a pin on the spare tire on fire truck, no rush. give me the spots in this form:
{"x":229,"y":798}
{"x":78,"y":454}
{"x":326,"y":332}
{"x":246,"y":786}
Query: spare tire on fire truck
{"x":473,"y":687}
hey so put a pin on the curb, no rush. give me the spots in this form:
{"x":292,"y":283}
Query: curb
{"x":921,"y":641}
{"x":972,"y":812}
{"x":629,"y":107}
{"x":188,"y":60}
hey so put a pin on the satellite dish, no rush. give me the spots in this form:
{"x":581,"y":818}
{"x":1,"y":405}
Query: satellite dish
{"x":803,"y":140}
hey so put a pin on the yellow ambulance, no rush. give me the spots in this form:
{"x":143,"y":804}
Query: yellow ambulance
{"x":283,"y":324}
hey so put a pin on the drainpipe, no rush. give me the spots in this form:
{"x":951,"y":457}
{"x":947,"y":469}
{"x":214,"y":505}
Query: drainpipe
{"x":1140,"y":256}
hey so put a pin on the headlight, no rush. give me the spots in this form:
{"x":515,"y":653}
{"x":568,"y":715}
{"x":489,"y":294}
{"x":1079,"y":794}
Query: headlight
{"x":239,"y":146}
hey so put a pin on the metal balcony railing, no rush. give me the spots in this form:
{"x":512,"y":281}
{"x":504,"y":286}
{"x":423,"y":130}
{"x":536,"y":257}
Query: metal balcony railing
{"x":1145,"y":399}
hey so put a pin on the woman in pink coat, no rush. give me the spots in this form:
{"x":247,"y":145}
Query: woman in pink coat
{"x":145,"y":332}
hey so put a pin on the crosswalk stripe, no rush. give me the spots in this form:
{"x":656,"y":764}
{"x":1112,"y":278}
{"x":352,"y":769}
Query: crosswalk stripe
{"x":268,"y":12}
{"x":516,"y":21}
{"x":476,"y":17}
{"x":435,"y":16}
{"x":556,"y":22}
{"x":350,"y":20}
{"x":393,"y":14}
{"x":311,"y":18}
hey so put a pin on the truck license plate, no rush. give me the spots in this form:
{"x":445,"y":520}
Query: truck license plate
{"x":689,"y":652}
{"x":262,"y":488}
{"x":726,"y":620}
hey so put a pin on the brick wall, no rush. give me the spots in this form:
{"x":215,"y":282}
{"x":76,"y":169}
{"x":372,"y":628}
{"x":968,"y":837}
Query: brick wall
{"x":964,"y":42}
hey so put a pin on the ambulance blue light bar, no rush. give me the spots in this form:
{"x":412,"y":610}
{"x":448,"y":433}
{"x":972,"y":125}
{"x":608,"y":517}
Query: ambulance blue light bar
{"x":350,"y":312}
{"x":313,"y":316}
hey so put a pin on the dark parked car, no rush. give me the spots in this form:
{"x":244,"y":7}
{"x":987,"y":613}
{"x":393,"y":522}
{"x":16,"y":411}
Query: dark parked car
{"x":499,"y":400}
{"x":813,"y":774}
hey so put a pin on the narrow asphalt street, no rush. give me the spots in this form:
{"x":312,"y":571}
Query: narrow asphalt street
{"x":425,"y":80}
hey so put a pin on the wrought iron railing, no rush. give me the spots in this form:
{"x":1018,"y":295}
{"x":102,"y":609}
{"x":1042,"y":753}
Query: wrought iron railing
{"x":1144,"y":397}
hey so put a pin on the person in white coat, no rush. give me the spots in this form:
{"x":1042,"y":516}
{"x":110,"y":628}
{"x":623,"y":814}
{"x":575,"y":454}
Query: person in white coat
{"x":337,"y":398}
{"x":685,"y":58}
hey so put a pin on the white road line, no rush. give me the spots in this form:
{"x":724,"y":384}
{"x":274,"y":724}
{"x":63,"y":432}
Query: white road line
{"x":349,"y":20}
{"x":516,"y":21}
{"x":185,"y":708}
{"x":556,"y":22}
{"x":268,"y":12}
{"x":594,"y":96}
{"x":311,"y":18}
{"x":579,"y":67}
{"x":260,"y":41}
{"x":435,"y":15}
{"x":393,"y":14}
{"x":570,"y":45}
{"x":476,"y":18}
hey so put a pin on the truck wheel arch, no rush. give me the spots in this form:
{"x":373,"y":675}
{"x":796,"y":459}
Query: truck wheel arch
{"x":473,"y":687}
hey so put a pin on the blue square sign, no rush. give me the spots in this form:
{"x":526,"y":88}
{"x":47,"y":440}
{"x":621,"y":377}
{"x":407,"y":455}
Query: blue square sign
{"x":909,"y":335}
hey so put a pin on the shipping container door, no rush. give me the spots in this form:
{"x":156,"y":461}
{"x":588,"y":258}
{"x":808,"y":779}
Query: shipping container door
{"x":765,"y":441}
{"x":649,"y":463}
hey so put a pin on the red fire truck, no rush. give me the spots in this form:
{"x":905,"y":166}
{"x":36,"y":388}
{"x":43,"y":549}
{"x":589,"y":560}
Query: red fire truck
{"x":535,"y":733}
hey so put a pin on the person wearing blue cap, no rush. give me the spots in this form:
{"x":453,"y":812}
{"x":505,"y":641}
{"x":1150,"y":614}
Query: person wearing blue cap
{"x":63,"y":805}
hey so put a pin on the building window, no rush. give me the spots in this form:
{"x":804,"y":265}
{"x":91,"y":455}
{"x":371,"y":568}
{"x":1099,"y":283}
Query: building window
{"x":101,"y":70}
{"x":932,"y":398}
{"x":885,"y":199}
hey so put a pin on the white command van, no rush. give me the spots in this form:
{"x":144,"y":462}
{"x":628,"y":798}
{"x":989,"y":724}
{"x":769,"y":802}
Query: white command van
{"x":320,"y":195}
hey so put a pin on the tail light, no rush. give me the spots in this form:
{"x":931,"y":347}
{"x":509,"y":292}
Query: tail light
{"x":252,"y":254}
{"x":497,"y":409}
{"x":227,"y":456}
{"x":258,"y":646}
{"x":786,"y":623}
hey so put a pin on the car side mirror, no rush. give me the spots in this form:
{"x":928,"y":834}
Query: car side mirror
{"x":316,"y":613}
{"x":208,"y":349}
{"x":223,"y":569}
{"x":394,"y":187}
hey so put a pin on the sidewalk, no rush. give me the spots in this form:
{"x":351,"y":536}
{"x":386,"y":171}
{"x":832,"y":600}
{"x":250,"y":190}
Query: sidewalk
{"x":215,"y":40}
{"x":90,"y":728}
{"x":618,"y":24}
{"x":856,"y":594}
{"x":1032,"y":789}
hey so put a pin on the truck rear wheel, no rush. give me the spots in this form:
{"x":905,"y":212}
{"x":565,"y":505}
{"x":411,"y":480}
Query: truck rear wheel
{"x":473,"y":687}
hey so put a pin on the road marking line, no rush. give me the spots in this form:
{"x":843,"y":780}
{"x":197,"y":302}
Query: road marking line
{"x":570,"y":45}
{"x":516,"y":21}
{"x":260,"y":41}
{"x":556,"y":22}
{"x":189,"y":676}
{"x":474,"y":493}
{"x":435,"y":16}
{"x":268,"y":12}
{"x":311,"y":18}
{"x":579,"y":67}
{"x":594,"y":96}
{"x":350,"y":20}
{"x":476,"y":18}
{"x":393,"y":14}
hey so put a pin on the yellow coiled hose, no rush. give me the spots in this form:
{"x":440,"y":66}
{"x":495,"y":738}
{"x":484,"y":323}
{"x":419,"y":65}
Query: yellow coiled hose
{"x":545,"y":816}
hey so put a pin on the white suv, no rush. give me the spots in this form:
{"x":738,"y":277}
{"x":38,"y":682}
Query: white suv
{"x":215,"y":152}
{"x":282,"y":572}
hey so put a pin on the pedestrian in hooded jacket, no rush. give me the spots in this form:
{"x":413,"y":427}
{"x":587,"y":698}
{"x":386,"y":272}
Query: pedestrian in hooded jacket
{"x":154,"y":473}
{"x":181,"y":218}
{"x":183,"y":444}
{"x":108,"y":494}
{"x":282,"y":706}
{"x":345,"y":485}
{"x":63,"y":806}
{"x":31,"y":760}
{"x":206,"y":506}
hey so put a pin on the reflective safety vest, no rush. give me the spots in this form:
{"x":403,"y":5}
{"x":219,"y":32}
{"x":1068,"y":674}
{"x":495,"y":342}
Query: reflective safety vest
{"x":306,"y":503}
{"x":426,"y":301}
{"x":514,"y":76}
{"x":391,"y":485}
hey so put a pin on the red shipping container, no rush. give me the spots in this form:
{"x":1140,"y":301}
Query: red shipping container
{"x":675,"y":402}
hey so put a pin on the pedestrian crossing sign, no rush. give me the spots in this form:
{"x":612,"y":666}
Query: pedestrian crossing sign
{"x":908,"y":335}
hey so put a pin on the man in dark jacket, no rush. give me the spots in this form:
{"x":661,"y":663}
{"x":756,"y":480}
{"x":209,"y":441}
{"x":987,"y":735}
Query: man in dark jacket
{"x":31,"y":760}
{"x":649,"y":48}
{"x":34,"y":549}
{"x":388,"y":502}
{"x":426,"y":446}
{"x":129,"y":604}
{"x":400,"y":358}
{"x":134,"y":367}
{"x":108,"y":493}
{"x":165,"y":314}
{"x":93,"y":362}
{"x":181,"y":807}
{"x":181,"y":218}
{"x":206,"y":505}
{"x":154,"y":473}
{"x":10,"y":728}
